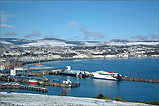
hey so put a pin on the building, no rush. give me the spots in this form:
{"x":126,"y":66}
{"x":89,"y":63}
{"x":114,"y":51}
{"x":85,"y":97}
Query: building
{"x":10,"y":64}
{"x":2,"y":67}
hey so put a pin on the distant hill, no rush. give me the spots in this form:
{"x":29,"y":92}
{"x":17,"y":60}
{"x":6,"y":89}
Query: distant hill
{"x":53,"y":39}
{"x":54,"y":42}
{"x":120,"y":40}
{"x":16,"y":41}
{"x":130,"y":42}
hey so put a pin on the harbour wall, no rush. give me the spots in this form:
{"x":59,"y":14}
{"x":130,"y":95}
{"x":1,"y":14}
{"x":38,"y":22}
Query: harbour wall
{"x":33,"y":88}
{"x":140,"y":79}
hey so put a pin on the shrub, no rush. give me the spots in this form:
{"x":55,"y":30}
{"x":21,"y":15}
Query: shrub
{"x":153,"y":102}
{"x":100,"y":96}
{"x":150,"y":102}
{"x":63,"y":93}
{"x":118,"y":99}
{"x":106,"y":98}
{"x":127,"y":100}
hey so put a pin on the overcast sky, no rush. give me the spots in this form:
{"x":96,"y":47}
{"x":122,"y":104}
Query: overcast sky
{"x":80,"y":20}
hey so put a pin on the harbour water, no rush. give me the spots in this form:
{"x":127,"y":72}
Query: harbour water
{"x":133,"y":91}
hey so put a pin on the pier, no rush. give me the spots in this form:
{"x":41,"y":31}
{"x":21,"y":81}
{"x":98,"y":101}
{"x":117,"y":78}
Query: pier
{"x":69,"y":72}
{"x":17,"y":86}
{"x":140,"y":79}
{"x":41,"y":89}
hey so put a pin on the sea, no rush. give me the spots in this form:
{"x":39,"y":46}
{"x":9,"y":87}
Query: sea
{"x":127,"y":90}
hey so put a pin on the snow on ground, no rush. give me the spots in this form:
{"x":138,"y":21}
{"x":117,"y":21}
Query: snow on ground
{"x":5,"y":42}
{"x":46,"y":43}
{"x":131,"y":43}
{"x":91,"y":44}
{"x":51,"y":100}
{"x":142,"y":43}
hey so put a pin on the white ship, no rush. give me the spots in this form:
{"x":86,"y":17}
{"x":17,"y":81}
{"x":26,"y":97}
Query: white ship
{"x":106,"y":75}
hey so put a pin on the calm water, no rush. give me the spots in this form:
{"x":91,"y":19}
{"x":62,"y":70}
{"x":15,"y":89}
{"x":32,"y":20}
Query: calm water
{"x":134,"y":91}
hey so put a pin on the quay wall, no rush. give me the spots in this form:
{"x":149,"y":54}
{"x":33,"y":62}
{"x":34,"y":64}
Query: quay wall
{"x":40,"y":89}
{"x":140,"y":79}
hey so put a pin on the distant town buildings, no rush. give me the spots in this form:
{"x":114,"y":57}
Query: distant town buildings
{"x":11,"y":57}
{"x":7,"y":64}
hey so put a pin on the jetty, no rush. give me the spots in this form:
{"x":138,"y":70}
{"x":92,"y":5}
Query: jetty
{"x":69,"y":72}
{"x":140,"y":79}
{"x":18,"y":86}
{"x":41,"y":89}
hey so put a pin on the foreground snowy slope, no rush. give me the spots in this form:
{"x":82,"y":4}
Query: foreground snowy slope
{"x":50,"y":100}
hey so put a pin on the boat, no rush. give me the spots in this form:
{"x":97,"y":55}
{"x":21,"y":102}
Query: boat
{"x":67,"y":83}
{"x":33,"y":81}
{"x":106,"y":75}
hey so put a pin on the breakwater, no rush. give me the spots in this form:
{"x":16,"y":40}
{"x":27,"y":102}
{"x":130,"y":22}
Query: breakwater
{"x":18,"y":86}
{"x":76,"y":73}
{"x":69,"y":72}
{"x":140,"y":79}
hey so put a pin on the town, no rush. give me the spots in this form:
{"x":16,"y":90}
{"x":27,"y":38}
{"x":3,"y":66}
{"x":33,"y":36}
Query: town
{"x":11,"y":57}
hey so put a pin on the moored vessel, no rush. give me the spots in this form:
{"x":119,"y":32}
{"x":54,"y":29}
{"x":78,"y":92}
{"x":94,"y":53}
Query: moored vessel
{"x":106,"y":75}
{"x":33,"y":81}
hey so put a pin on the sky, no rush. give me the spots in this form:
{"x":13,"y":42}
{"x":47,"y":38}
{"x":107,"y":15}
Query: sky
{"x":80,"y":20}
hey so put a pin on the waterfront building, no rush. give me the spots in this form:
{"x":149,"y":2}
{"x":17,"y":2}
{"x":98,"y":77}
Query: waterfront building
{"x":2,"y":67}
{"x":9,"y":64}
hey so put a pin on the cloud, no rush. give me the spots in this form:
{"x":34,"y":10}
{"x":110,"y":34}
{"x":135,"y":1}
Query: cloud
{"x":70,"y":26}
{"x":51,"y":30}
{"x":5,"y":16}
{"x":145,"y":37}
{"x":66,"y":29}
{"x":6,"y":25}
{"x":10,"y":33}
{"x":89,"y":34}
{"x":52,"y":36}
{"x":70,"y":39}
{"x":153,"y":36}
{"x":140,"y":37}
{"x":33,"y":34}
{"x":73,"y":23}
{"x":76,"y":37}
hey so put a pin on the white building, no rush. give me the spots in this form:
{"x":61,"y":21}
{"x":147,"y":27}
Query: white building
{"x":57,"y":56}
{"x":2,"y":67}
{"x":110,"y":56}
{"x":18,"y":68}
{"x":12,"y":72}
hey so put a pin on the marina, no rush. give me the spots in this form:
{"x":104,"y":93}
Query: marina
{"x":38,"y":81}
{"x":131,"y":90}
{"x":61,"y":78}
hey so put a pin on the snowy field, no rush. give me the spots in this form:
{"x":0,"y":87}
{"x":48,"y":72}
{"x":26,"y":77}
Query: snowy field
{"x":23,"y":99}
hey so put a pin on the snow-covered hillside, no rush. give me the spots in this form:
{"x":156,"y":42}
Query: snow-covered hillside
{"x":46,"y":43}
{"x":53,"y":42}
{"x":51,"y":100}
{"x":122,"y":42}
{"x":131,"y":43}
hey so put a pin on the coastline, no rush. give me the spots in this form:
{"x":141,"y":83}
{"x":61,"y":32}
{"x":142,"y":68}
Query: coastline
{"x":91,"y":60}
{"x":24,"y":63}
{"x":26,"y":99}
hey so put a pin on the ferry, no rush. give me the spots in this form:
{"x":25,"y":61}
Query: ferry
{"x":106,"y":75}
{"x":33,"y":81}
